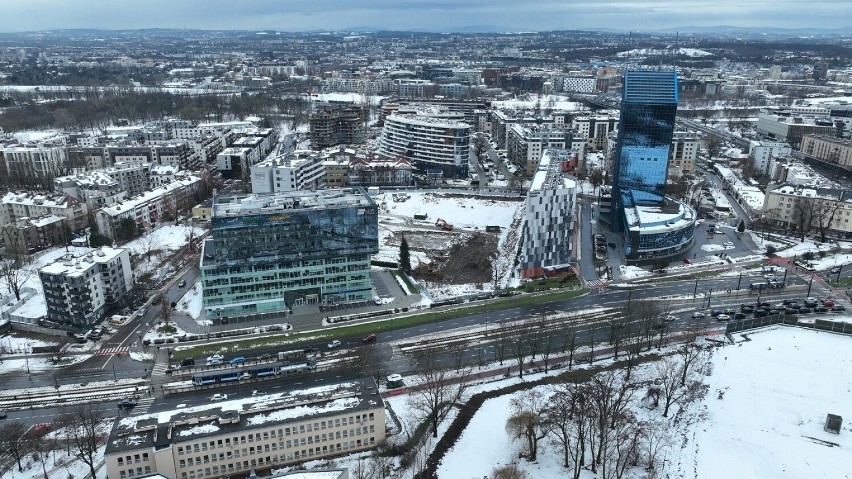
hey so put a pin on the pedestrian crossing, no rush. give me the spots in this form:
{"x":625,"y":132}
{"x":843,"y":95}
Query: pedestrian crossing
{"x":143,"y":405}
{"x":113,"y":351}
{"x":596,"y":284}
{"x":159,"y":369}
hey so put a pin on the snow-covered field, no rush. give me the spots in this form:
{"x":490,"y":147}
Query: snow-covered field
{"x":466,"y":214}
{"x":190,"y":303}
{"x":17,"y":344}
{"x":804,"y":247}
{"x":161,"y":243}
{"x":555,"y":102}
{"x":762,"y":416}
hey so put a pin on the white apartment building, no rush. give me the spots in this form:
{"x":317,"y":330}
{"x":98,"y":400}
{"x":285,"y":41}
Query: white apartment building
{"x":32,"y":162}
{"x":149,"y":208}
{"x":829,"y":149}
{"x":431,"y":139}
{"x":550,"y":214}
{"x":596,"y":128}
{"x":14,"y":206}
{"x":579,"y":84}
{"x":256,"y":434}
{"x":79,"y":288}
{"x":786,"y":203}
{"x":788,"y":127}
{"x":762,"y":151}
{"x":232,"y":162}
{"x":526,"y":144}
{"x":299,"y":170}
{"x":683,"y":153}
{"x":376,"y":86}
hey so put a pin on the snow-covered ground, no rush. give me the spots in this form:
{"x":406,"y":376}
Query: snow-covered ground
{"x":831,"y":261}
{"x":804,"y":247}
{"x":719,"y":435}
{"x":38,"y":364}
{"x":161,"y":243}
{"x":17,"y":344}
{"x":555,"y":102}
{"x":633,"y":272}
{"x":190,"y":303}
{"x":58,"y":464}
{"x":155,"y":334}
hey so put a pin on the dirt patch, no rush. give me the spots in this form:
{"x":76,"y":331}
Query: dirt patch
{"x":466,"y":261}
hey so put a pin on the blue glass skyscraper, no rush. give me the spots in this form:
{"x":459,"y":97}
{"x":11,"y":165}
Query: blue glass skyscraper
{"x":640,"y":164}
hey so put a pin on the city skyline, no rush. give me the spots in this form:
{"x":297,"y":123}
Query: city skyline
{"x":440,"y":15}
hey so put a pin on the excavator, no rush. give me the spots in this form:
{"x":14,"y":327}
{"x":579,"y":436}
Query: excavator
{"x":442,"y":223}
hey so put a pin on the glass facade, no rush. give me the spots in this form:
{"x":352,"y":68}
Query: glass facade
{"x":640,"y":165}
{"x":266,"y":261}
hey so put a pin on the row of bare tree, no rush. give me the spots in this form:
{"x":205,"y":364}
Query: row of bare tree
{"x":595,"y":424}
{"x":79,"y":431}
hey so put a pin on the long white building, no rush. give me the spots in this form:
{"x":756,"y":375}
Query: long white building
{"x":432,"y":140}
{"x":550,"y":215}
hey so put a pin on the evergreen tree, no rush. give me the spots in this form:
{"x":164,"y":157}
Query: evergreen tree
{"x":741,"y":227}
{"x":404,"y":257}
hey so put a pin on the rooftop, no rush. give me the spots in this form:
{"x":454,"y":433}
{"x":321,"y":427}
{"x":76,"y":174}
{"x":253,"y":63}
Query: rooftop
{"x":189,"y":424}
{"x":77,"y":264}
{"x":156,"y":193}
{"x":240,"y":205}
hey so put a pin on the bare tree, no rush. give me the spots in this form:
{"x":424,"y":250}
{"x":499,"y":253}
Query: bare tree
{"x":368,"y":361}
{"x":15,"y":270}
{"x":823,"y":214}
{"x":166,"y":309}
{"x":60,"y":351}
{"x":547,"y":340}
{"x":14,"y":442}
{"x":803,"y":216}
{"x":87,"y":434}
{"x":504,"y":332}
{"x":668,"y":372}
{"x":656,"y":439}
{"x":569,"y":344}
{"x":623,"y":447}
{"x":42,"y":447}
{"x":518,"y":346}
{"x":713,"y":144}
{"x":149,"y":244}
{"x":437,"y":390}
{"x":690,"y":355}
{"x":609,"y":395}
{"x":527,"y":421}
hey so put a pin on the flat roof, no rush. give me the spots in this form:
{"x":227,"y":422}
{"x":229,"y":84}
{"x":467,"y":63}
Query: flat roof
{"x":249,"y":204}
{"x":72,"y":264}
{"x":233,"y":416}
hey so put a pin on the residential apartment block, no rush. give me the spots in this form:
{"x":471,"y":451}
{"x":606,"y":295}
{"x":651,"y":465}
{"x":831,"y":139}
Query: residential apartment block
{"x":595,"y":129}
{"x":790,"y":205}
{"x":683,"y":153}
{"x":550,"y":215}
{"x":337,"y":124}
{"x":299,"y":170}
{"x":434,"y":141}
{"x":829,"y":149}
{"x":15,"y":206}
{"x":30,"y":235}
{"x":762,"y":153}
{"x":238,"y":437}
{"x":379,"y":172}
{"x":78,"y":289}
{"x":279,"y":251}
{"x":526,"y":143}
{"x":151,"y":207}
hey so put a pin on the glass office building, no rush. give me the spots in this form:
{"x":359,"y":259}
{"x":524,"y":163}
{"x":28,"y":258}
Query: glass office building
{"x":640,"y":165}
{"x":276,"y":251}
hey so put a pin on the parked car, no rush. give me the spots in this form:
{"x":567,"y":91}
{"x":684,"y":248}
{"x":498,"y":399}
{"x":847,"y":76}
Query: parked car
{"x":41,"y":428}
{"x":369,"y":338}
{"x":834,"y":270}
{"x":760,"y":313}
{"x":728,"y":244}
{"x":219,"y":397}
{"x":739,"y":316}
{"x":334,"y":344}
{"x":128,"y":403}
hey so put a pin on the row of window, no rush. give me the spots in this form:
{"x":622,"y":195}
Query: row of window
{"x":215,"y":470}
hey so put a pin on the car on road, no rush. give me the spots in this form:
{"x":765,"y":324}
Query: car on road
{"x":218,"y":397}
{"x":834,"y":270}
{"x":828,"y":303}
{"x":334,"y":344}
{"x":369,"y":338}
{"x":41,"y":429}
{"x":182,"y":283}
{"x":687,"y":261}
{"x":264,"y":357}
{"x":728,"y":244}
{"x":128,"y":403}
{"x":245,"y":376}
{"x":142,"y":312}
{"x":187,"y":362}
{"x":237,"y":360}
{"x":698,"y":315}
{"x":723,"y":317}
{"x":838,"y":307}
{"x":671,"y":317}
{"x":3,"y":414}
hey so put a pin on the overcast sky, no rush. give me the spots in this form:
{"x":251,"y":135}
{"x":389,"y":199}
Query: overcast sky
{"x":431,"y":15}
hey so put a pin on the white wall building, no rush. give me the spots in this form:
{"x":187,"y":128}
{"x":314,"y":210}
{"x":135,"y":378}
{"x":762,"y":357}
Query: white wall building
{"x":78,"y":289}
{"x":299,"y":170}
{"x":15,"y":206}
{"x":431,"y":139}
{"x":762,"y":151}
{"x":550,"y":213}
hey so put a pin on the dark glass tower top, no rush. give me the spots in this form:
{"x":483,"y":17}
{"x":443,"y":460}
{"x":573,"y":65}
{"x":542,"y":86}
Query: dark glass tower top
{"x":640,"y":163}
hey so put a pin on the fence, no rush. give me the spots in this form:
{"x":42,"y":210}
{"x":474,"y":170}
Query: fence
{"x":819,"y":324}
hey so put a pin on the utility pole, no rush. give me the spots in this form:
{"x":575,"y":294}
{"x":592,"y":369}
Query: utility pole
{"x":695,"y":291}
{"x":839,"y":269}
{"x":739,"y":281}
{"x":809,"y":286}
{"x":709,"y":295}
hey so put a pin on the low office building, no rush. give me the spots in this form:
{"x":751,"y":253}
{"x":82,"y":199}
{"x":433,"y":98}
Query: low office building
{"x":279,"y":251}
{"x":78,"y":289}
{"x":550,"y":214}
{"x":255,"y":434}
{"x":790,"y":127}
{"x":658,"y":232}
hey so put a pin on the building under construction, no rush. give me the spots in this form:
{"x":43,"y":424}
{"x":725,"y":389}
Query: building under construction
{"x":337,"y":123}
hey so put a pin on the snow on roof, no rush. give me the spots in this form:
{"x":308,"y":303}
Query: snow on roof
{"x":76,"y":265}
{"x":156,"y":193}
{"x":656,"y":219}
{"x":303,"y":411}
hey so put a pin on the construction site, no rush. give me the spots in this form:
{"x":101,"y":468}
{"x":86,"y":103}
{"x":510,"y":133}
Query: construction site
{"x":458,"y":242}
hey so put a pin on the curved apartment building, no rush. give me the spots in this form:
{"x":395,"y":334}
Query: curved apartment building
{"x":435,"y":141}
